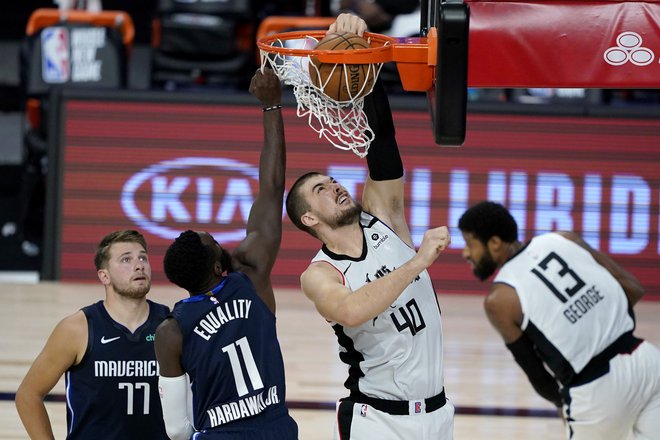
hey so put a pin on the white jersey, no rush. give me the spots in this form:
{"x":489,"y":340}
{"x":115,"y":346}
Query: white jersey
{"x":397,"y":355}
{"x":573,"y":308}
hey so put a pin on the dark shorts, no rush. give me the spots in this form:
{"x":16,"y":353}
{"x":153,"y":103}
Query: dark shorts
{"x":281,"y":428}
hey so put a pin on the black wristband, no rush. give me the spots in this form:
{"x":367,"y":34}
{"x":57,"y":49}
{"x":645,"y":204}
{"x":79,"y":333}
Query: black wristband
{"x":384,"y":161}
{"x":272,"y":107}
{"x":544,"y":383}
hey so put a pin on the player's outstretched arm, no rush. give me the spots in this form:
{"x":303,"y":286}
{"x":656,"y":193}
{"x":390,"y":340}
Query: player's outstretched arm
{"x":323,"y":284}
{"x":65,"y":347}
{"x":383,"y":194}
{"x":631,"y":285}
{"x":257,"y":252}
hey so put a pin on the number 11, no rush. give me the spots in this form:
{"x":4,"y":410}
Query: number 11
{"x":250,"y":366}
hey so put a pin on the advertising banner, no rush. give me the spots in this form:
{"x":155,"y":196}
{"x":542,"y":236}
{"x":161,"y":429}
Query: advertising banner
{"x":166,"y":167}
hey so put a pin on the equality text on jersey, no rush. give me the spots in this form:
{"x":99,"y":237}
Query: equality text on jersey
{"x":223,"y":313}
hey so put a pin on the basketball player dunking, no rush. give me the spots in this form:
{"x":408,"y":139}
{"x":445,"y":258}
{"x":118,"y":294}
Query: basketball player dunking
{"x":372,"y":286}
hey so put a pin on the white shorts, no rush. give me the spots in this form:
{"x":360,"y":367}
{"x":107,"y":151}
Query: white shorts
{"x":360,"y":421}
{"x":622,"y":404}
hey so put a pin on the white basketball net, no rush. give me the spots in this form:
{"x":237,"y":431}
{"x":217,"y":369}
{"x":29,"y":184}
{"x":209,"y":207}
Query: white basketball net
{"x":342,"y":123}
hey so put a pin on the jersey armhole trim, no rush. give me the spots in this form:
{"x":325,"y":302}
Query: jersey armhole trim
{"x":343,"y":278}
{"x":90,"y":340}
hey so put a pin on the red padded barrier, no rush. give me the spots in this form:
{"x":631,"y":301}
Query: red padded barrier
{"x":564,"y":44}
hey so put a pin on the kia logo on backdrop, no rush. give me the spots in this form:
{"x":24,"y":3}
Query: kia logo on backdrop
{"x":212,"y":194}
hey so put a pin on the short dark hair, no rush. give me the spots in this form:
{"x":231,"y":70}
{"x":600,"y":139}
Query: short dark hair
{"x":123,"y":236}
{"x":189,"y":263}
{"x":296,"y":205}
{"x":488,"y":219}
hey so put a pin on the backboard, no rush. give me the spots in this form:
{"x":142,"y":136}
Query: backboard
{"x":448,"y":96}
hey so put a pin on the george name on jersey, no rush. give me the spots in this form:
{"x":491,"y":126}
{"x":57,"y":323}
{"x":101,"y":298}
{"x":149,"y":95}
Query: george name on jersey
{"x":582,"y":304}
{"x":242,"y":408}
{"x":136,"y":368}
{"x":211,"y":323}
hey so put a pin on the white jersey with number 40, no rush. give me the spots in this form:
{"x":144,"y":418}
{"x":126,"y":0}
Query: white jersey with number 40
{"x":397,"y":355}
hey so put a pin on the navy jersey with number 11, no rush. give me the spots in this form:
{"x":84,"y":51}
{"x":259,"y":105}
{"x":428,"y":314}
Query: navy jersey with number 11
{"x":232,"y":355}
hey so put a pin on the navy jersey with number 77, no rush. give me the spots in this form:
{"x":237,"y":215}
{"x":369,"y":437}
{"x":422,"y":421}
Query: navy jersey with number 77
{"x":113,"y":392}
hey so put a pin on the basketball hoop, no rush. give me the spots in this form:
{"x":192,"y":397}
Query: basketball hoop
{"x":342,"y":123}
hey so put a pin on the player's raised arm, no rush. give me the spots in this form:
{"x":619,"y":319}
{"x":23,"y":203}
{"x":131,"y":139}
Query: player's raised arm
{"x":384,"y":190}
{"x":257,"y":252}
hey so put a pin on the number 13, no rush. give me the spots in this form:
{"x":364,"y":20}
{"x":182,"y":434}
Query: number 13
{"x":565,"y":270}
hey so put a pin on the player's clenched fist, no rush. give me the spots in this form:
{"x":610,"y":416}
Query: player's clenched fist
{"x":434,"y":242}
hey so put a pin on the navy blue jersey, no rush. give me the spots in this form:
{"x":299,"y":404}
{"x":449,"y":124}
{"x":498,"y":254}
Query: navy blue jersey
{"x":113,"y":392}
{"x":233,"y":357}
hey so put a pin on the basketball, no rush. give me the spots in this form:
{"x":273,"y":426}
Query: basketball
{"x":341,"y":82}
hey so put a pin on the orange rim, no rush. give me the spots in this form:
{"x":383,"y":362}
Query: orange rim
{"x":273,"y":24}
{"x":379,"y":52}
{"x":415,"y":57}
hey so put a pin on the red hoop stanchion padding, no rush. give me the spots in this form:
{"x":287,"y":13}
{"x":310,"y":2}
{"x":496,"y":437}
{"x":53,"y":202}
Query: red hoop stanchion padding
{"x":564,"y":44}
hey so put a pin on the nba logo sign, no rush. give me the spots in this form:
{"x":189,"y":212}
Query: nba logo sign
{"x":418,"y":407}
{"x":363,"y":410}
{"x":55,"y":63}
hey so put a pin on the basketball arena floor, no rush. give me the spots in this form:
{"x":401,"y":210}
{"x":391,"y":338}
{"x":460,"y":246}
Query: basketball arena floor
{"x":492,"y":397}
